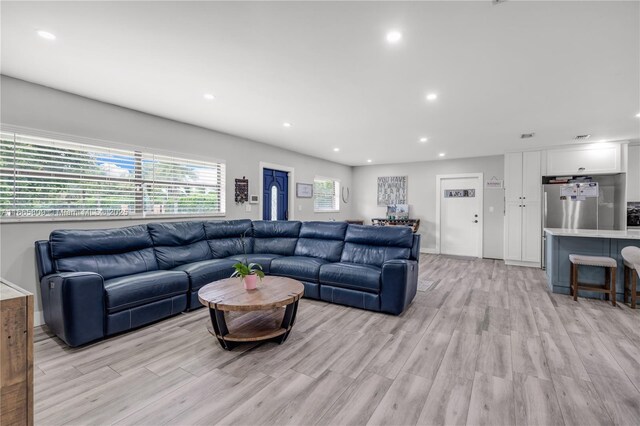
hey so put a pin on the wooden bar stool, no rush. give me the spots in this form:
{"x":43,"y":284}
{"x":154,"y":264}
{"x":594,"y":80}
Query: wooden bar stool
{"x":631,"y":258}
{"x":610,"y":265}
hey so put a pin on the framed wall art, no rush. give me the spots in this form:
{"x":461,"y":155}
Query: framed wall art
{"x":304,"y":190}
{"x":392,"y":190}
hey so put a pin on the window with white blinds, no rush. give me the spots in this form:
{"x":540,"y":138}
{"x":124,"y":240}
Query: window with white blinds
{"x":326,"y":195}
{"x":51,"y":178}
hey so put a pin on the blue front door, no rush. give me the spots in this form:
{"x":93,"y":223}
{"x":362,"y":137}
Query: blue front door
{"x":275,"y":195}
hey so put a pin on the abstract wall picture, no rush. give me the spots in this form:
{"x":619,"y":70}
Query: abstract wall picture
{"x":459,"y":193}
{"x":392,"y":190}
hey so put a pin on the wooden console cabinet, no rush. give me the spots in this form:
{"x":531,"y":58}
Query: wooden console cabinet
{"x":414,"y":224}
{"x":16,"y":355}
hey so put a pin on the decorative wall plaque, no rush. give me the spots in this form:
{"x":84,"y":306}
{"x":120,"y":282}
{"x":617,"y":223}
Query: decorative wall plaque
{"x":392,"y":190}
{"x":459,"y":193}
{"x":242,"y":190}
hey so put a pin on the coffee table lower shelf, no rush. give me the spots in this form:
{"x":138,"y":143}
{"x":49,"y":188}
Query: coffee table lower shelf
{"x":252,"y":326}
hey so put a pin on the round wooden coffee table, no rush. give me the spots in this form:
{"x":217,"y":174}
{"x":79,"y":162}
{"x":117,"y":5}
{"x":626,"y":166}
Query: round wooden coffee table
{"x":266,"y":313}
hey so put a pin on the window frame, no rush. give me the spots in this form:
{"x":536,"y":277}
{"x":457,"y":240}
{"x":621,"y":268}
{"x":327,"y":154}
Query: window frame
{"x":337,"y":194}
{"x":139,"y":152}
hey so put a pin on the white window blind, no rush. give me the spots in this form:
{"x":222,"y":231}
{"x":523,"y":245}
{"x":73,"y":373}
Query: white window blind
{"x":51,"y":178}
{"x":326,"y":195}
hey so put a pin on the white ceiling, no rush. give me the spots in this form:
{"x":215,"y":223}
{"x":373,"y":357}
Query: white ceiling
{"x":558,"y":69}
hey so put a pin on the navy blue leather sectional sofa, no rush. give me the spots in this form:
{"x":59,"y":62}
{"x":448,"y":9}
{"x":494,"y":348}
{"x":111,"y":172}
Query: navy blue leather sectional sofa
{"x":97,"y":283}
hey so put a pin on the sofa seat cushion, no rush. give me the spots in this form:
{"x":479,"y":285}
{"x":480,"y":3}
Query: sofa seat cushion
{"x":263,"y":259}
{"x":207,"y":271}
{"x":298,"y":267}
{"x":139,"y":289}
{"x":351,"y":275}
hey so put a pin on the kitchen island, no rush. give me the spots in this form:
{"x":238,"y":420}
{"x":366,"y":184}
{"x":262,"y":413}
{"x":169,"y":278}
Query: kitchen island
{"x":559,"y":243}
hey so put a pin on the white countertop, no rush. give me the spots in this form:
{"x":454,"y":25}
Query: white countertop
{"x":630,"y":234}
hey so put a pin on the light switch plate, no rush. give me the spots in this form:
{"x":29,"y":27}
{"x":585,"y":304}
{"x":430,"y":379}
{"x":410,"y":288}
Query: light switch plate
{"x":299,"y":207}
{"x":247,"y":207}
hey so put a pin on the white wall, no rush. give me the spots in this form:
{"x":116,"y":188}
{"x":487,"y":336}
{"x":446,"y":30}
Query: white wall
{"x":33,"y":106}
{"x":422,"y":196}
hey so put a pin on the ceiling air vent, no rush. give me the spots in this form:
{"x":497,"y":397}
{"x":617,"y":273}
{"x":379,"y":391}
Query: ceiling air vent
{"x":582,"y":137}
{"x":526,"y":135}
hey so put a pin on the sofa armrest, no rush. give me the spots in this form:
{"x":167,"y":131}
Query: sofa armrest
{"x":73,"y":304}
{"x":399,"y":285}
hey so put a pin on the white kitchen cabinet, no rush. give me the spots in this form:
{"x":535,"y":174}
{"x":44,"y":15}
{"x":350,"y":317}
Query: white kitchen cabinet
{"x":513,"y":176}
{"x":585,"y":159}
{"x":633,"y":174}
{"x":523,"y":187}
{"x":513,"y":231}
{"x":531,"y":232}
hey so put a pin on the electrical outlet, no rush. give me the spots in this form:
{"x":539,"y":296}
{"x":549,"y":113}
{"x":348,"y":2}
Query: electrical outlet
{"x":491,"y":209}
{"x":247,"y":207}
{"x":299,"y":207}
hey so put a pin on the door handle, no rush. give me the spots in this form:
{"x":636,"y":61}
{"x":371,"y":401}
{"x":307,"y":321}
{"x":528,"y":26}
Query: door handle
{"x":286,"y":214}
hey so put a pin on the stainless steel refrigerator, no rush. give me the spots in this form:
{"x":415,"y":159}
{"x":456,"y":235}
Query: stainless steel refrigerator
{"x":593,"y":204}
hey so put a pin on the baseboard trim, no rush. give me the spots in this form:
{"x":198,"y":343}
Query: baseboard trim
{"x":428,"y":251}
{"x":525,"y":264}
{"x":38,"y":318}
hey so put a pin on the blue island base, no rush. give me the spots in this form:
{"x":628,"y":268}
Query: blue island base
{"x":557,"y":251}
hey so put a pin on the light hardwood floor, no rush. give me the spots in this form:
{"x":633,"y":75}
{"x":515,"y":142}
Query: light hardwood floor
{"x":487,"y":344}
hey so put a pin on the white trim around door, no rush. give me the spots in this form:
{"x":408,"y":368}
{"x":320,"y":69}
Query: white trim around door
{"x":480,"y":195}
{"x":292,"y":195}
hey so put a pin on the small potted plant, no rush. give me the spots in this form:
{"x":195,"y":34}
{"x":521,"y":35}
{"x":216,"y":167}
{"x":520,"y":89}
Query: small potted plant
{"x":248,"y":274}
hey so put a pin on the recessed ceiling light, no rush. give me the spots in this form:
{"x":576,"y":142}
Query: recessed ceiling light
{"x":47,"y":35}
{"x":527,"y":135}
{"x":336,"y":149}
{"x":209,"y":96}
{"x":394,"y":36}
{"x":432,"y":97}
{"x":423,"y":140}
{"x":582,"y":137}
{"x":441,"y":154}
{"x":286,"y":124}
{"x":369,"y":161}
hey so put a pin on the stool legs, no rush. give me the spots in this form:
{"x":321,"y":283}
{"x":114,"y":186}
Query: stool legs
{"x":609,"y":284}
{"x":626,"y":284}
{"x":630,"y":286}
{"x":613,"y":286}
{"x":634,"y":288}
{"x":574,"y":281}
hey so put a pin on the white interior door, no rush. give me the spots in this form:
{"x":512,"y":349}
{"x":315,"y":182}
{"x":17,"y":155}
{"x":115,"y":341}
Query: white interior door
{"x":460,"y":216}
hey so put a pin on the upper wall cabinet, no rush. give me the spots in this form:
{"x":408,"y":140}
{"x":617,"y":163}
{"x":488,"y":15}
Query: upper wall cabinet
{"x":585,"y":159}
{"x":633,"y":174}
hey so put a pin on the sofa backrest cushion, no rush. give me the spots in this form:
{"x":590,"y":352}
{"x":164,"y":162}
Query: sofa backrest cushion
{"x":177,"y":243}
{"x":275,"y":237}
{"x":109,"y":252}
{"x":321,"y":239}
{"x":374,"y":245}
{"x":226,"y":237}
